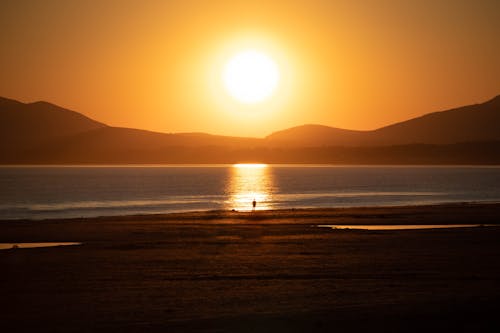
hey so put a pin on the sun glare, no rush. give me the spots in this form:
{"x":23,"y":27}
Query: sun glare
{"x":251,"y":76}
{"x":250,"y":165}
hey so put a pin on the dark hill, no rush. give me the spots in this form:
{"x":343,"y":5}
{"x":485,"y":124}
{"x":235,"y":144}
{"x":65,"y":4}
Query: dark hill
{"x":43,"y":133}
{"x":127,"y":145}
{"x":23,"y":126}
{"x":479,"y":122}
{"x":314,"y":136}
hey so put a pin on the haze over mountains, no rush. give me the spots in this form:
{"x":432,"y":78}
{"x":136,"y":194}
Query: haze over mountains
{"x":43,"y":133}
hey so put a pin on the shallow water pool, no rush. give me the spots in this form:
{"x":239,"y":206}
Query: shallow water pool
{"x":6,"y":246}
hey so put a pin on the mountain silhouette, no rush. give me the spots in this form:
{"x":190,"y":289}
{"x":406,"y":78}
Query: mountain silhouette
{"x":312,"y":135}
{"x":43,"y":133}
{"x":24,"y":126}
{"x":480,"y":122}
{"x":128,"y":145}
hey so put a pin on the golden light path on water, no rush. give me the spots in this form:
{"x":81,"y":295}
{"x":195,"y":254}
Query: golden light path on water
{"x":249,"y":182}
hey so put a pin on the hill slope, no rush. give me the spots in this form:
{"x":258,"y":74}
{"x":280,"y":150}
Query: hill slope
{"x":480,"y":122}
{"x":43,"y":133}
{"x":314,"y":136}
{"x":24,"y":126}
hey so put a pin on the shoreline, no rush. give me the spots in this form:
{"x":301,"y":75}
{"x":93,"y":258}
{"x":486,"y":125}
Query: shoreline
{"x":285,"y":213}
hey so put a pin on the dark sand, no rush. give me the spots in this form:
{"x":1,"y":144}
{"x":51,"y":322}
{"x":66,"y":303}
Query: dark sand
{"x":268,"y":271}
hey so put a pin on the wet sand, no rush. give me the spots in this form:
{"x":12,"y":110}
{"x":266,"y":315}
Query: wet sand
{"x":267,"y":271}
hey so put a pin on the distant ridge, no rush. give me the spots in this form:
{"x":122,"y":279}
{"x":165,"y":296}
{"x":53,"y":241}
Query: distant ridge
{"x":44,"y":133}
{"x":312,"y":135}
{"x":24,"y":126}
{"x":479,"y":122}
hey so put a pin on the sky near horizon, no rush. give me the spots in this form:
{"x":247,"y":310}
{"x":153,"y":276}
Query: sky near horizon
{"x":157,"y":65}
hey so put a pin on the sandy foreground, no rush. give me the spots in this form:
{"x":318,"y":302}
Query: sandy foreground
{"x":267,"y":271}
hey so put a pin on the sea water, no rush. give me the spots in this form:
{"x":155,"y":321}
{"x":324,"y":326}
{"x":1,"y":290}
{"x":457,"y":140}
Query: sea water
{"x":39,"y":192}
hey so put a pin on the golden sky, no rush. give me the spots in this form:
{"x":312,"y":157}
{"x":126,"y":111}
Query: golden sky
{"x":157,"y":65}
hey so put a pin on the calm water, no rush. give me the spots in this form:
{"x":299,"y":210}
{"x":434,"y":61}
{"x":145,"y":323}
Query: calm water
{"x":47,"y":192}
{"x":406,"y":226}
{"x":9,"y":246}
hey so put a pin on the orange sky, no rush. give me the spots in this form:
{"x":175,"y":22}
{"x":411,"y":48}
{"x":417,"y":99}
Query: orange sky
{"x":156,"y":64}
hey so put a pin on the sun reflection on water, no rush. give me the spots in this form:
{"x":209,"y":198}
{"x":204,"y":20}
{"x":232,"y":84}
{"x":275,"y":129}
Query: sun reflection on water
{"x":249,"y":182}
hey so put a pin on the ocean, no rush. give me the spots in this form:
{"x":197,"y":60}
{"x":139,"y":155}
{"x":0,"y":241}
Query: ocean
{"x":41,"y":192}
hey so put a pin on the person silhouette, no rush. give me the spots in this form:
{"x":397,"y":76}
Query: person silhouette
{"x":254,"y":204}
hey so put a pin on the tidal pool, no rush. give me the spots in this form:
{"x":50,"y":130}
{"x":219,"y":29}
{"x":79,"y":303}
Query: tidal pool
{"x":6,"y":246}
{"x":404,"y":226}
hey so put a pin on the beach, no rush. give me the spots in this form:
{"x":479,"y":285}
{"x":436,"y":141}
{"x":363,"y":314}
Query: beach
{"x":262,"y":271}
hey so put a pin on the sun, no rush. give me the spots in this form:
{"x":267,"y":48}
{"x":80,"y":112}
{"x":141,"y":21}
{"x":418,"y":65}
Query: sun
{"x":251,"y":76}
